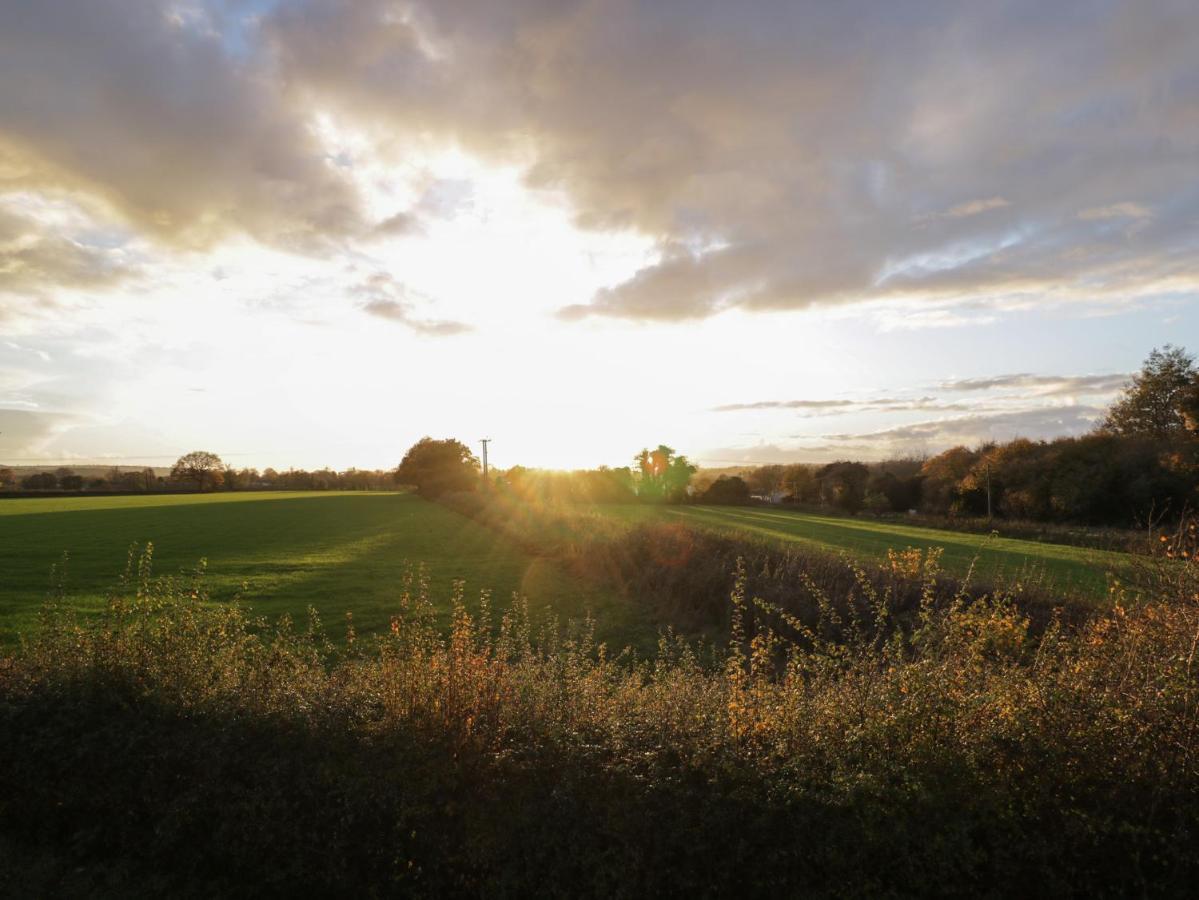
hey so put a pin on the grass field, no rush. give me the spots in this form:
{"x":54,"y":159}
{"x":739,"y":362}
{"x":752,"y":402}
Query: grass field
{"x":1060,"y":567}
{"x":282,"y":552}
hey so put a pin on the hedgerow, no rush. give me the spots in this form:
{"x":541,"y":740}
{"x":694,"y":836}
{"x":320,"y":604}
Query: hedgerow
{"x":186,"y":747}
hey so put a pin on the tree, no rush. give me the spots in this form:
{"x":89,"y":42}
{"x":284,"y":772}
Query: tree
{"x":1189,"y":407}
{"x":663,"y":474}
{"x":765,"y":480}
{"x":438,"y":467}
{"x":728,"y":490}
{"x":7,"y":478}
{"x":943,"y":475}
{"x":901,"y":493}
{"x":799,"y":483}
{"x":200,"y":466}
{"x":1155,"y":402}
{"x":40,"y":481}
{"x":843,"y":484}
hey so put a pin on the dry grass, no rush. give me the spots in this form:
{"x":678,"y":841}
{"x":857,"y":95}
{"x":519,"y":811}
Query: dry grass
{"x":188,"y":748}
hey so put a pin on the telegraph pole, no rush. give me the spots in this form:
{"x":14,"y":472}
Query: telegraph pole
{"x":485,"y":442}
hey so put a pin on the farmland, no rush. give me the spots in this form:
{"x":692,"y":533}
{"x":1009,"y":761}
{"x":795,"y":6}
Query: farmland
{"x":283,"y":551}
{"x":1057,"y":567}
{"x":523,"y":742}
{"x":280,"y":552}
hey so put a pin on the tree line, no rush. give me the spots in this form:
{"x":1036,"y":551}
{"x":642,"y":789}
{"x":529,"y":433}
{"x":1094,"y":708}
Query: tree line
{"x":437,"y":467}
{"x":197,"y":471}
{"x":1141,"y":461}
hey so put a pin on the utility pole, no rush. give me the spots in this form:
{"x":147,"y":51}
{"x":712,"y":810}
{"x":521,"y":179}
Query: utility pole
{"x":485,"y":442}
{"x":988,"y":470}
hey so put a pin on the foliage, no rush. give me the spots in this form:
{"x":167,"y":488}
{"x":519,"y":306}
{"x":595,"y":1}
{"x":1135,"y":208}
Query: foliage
{"x":180,"y":746}
{"x":663,"y":474}
{"x":1099,"y":478}
{"x":203,"y":468}
{"x":437,"y":467}
{"x":1155,"y":402}
{"x":843,"y":484}
{"x":602,"y":485}
{"x":679,"y":562}
{"x":40,"y":481}
{"x":727,"y":490}
{"x":765,"y":480}
{"x":901,"y":493}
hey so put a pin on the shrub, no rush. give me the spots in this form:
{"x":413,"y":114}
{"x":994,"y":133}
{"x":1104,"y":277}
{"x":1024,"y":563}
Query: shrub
{"x":184,"y":746}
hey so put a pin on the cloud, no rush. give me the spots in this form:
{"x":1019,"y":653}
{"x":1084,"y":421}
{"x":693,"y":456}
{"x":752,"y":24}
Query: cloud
{"x":840,"y":407}
{"x":1041,"y":385}
{"x":389,"y":299}
{"x":35,"y":258}
{"x":1038,"y":424}
{"x":155,"y":115}
{"x":766,"y":454}
{"x":974,"y":207}
{"x":1028,"y":387}
{"x":1115,"y":211}
{"x":780,"y":157}
{"x":802,"y":140}
{"x":399,"y":225}
{"x":25,"y":433}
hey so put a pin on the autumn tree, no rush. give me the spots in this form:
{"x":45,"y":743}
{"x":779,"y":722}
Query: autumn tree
{"x":1156,"y":402}
{"x":765,"y":480}
{"x":203,"y":468}
{"x":728,"y":490}
{"x":1189,"y":407}
{"x":843,"y":484}
{"x":799,"y":483}
{"x":943,"y":474}
{"x":438,"y":467}
{"x":7,"y":478}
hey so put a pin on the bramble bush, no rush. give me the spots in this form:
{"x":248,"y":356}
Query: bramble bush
{"x":684,"y":572}
{"x":185,"y":747}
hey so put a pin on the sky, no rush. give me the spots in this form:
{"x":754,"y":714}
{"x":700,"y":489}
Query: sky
{"x":309,"y":232}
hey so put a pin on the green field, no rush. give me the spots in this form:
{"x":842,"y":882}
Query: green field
{"x":282,"y":552}
{"x":1057,"y":566}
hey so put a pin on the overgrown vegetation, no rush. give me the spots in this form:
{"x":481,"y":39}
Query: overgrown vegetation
{"x":864,"y":747}
{"x":679,"y":560}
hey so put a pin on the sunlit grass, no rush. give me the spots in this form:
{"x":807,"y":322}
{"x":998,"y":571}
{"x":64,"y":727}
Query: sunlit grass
{"x":1054,"y":566}
{"x":281,"y":552}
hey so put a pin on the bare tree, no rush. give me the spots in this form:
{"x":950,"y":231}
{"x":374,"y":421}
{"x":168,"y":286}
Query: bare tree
{"x":200,"y":466}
